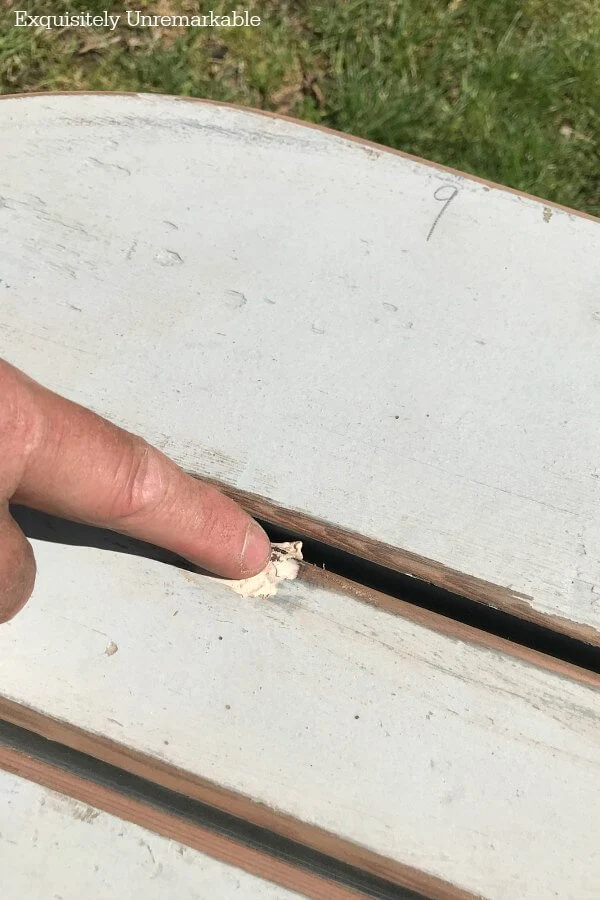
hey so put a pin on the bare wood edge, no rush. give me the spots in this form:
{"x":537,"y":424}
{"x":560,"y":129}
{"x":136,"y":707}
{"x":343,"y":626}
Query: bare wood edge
{"x":447,"y":627}
{"x":370,"y":145}
{"x":174,"y":827}
{"x":175,"y":779}
{"x":409,"y":563}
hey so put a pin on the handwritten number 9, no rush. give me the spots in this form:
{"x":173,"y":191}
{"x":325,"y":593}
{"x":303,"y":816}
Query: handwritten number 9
{"x":444,"y":194}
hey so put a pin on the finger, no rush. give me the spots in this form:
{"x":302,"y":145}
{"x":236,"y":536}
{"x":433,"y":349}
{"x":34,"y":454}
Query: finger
{"x":17,"y":567}
{"x":83,"y":467}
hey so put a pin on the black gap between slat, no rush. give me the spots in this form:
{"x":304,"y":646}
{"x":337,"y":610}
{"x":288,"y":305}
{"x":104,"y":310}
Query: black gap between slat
{"x":183,"y":807}
{"x":361,"y":571}
{"x":439,"y":600}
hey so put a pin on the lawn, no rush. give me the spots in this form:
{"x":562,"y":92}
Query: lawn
{"x":506,"y":90}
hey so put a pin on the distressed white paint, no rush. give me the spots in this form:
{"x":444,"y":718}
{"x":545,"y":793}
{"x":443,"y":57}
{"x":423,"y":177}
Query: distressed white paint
{"x":52,"y":846}
{"x":260,"y":300}
{"x":458,"y":760}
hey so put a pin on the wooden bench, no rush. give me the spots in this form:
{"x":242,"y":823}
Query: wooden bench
{"x":391,"y":361}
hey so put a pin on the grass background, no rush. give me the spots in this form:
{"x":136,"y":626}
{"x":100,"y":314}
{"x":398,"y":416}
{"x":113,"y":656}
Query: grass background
{"x":506,"y":89}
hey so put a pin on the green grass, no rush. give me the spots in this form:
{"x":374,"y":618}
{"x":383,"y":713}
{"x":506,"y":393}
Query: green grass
{"x":506,"y":90}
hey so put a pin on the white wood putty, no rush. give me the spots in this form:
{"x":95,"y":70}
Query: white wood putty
{"x":267,"y":303}
{"x":460,"y":761}
{"x":283,"y":565}
{"x":52,"y":846}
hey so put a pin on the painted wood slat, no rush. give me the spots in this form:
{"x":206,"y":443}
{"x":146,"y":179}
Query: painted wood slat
{"x":463,"y":762}
{"x":52,"y":846}
{"x":382,"y":344}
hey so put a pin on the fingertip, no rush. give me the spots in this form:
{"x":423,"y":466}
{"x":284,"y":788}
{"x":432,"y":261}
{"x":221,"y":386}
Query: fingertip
{"x":256,"y":550}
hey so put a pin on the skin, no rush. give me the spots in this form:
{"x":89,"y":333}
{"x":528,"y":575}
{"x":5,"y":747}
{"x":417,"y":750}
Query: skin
{"x":63,"y":459}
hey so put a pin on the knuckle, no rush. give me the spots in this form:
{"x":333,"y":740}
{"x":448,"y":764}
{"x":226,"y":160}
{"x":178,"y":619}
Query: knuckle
{"x":21,"y":427}
{"x":140,"y":484}
{"x":17,"y":419}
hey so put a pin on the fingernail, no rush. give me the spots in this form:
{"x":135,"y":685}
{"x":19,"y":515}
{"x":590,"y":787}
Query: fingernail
{"x":256,"y":550}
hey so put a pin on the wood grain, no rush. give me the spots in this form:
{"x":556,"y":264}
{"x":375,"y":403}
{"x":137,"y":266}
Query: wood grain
{"x":119,"y":847}
{"x":327,"y":350}
{"x":362,"y":733}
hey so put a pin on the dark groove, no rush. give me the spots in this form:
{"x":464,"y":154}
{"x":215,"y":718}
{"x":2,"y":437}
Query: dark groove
{"x":369,"y":574}
{"x":446,"y":603}
{"x":222,"y":823}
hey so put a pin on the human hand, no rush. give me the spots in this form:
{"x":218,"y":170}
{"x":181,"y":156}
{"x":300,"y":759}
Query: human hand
{"x":60,"y":458}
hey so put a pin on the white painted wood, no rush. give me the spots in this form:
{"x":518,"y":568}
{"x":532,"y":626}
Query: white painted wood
{"x":463,"y":762}
{"x":52,"y":846}
{"x":186,"y":269}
